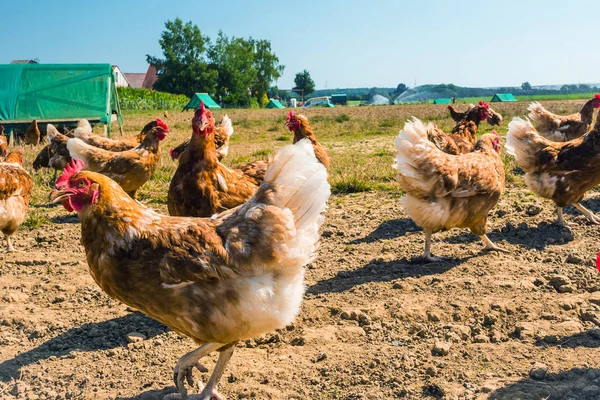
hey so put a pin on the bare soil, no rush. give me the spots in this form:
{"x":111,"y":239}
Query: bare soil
{"x":374,"y":324}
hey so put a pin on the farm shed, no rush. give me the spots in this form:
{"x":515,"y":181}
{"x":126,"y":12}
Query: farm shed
{"x":442,"y":101}
{"x":503,"y":97}
{"x":53,"y":93}
{"x":274,"y":104}
{"x":339,"y":99}
{"x":208,"y":102}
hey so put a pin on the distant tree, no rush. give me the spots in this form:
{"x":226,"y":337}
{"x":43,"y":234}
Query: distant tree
{"x":583,"y":86}
{"x":267,"y":66}
{"x":526,"y":86}
{"x":568,"y":88}
{"x":184,"y":66}
{"x":273,"y":92}
{"x":304,"y":85}
{"x":401,"y":88}
{"x":233,"y":58}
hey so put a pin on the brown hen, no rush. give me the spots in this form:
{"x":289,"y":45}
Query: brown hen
{"x":560,"y":171}
{"x":563,"y":128}
{"x":462,"y":139}
{"x":218,"y":281}
{"x":129,"y":168}
{"x":445,"y":191}
{"x":15,"y":191}
{"x":201,"y":185}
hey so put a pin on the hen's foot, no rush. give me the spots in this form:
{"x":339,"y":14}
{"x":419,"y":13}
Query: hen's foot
{"x":211,"y":395}
{"x":495,"y":248}
{"x":182,"y":373}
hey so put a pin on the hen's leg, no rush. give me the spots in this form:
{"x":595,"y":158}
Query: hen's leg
{"x":588,"y":214}
{"x":490,"y":246}
{"x":560,"y":220}
{"x":427,"y":257}
{"x":9,"y":246}
{"x":185,"y":365}
{"x":210,"y":391}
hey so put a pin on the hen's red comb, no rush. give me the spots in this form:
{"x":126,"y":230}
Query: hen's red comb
{"x":71,"y":169}
{"x":597,"y":96}
{"x":171,"y":150}
{"x":289,"y":116}
{"x":162,"y":124}
{"x":484,"y":104}
{"x":598,"y":261}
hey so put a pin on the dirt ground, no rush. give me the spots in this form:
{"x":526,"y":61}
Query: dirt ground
{"x":373,"y":325}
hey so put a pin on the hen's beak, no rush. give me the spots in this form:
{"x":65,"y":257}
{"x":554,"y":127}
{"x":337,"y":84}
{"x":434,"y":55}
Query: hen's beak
{"x":58,"y":195}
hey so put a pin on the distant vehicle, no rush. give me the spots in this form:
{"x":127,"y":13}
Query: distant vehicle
{"x":324,"y":101}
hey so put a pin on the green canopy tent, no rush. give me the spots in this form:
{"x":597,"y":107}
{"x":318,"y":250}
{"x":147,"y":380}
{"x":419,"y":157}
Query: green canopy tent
{"x":503,"y":97}
{"x":209,"y":103}
{"x":53,"y":93}
{"x":274,"y":104}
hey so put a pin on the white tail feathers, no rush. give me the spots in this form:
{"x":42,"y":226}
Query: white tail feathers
{"x":524,"y":142}
{"x":536,"y":110}
{"x":301,"y":183}
{"x":83,"y":129}
{"x":78,"y":149}
{"x":411,"y":143}
{"x":84,"y":124}
{"x":81,"y":133}
{"x":51,"y":132}
{"x":226,"y":124}
{"x":413,"y":159}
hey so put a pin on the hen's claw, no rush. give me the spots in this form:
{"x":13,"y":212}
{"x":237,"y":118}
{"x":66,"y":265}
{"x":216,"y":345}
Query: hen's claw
{"x":185,"y":373}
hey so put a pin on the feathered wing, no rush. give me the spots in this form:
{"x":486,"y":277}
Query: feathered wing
{"x":552,"y":126}
{"x":94,"y":158}
{"x":14,"y":181}
{"x":525,"y":144}
{"x":106,"y":143}
{"x":278,"y":228}
{"x":255,"y":170}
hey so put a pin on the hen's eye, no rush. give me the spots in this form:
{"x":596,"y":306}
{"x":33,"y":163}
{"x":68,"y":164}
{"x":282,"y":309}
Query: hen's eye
{"x":81,"y":183}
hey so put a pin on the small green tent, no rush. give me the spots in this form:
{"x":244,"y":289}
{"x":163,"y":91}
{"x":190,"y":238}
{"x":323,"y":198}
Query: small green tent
{"x":442,"y":101}
{"x":503,"y":97}
{"x":209,"y":103}
{"x":53,"y":93}
{"x":274,"y":104}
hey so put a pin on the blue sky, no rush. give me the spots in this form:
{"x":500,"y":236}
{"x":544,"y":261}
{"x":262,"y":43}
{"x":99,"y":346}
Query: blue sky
{"x":342,"y":43}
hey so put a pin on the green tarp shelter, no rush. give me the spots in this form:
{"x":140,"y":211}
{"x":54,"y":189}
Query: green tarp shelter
{"x":339,"y":99}
{"x":58,"y":93}
{"x":208,"y":102}
{"x":274,"y":104}
{"x":503,"y":97}
{"x":442,"y":101}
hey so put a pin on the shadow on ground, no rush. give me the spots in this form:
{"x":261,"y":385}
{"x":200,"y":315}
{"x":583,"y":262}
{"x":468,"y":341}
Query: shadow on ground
{"x":89,"y":337}
{"x":381,"y":271}
{"x":576,"y":383}
{"x":390,"y":229}
{"x":151,"y":394}
{"x":589,"y":339}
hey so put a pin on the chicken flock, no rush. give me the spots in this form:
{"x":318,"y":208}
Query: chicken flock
{"x":227,"y":263}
